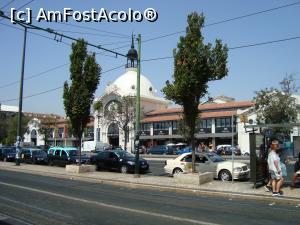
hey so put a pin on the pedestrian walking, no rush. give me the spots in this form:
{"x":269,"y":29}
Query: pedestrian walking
{"x":275,"y":169}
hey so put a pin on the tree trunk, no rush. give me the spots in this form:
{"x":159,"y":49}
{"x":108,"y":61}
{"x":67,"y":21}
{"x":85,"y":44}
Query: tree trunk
{"x":79,"y":148}
{"x":193,"y":154}
{"x":126,"y":133}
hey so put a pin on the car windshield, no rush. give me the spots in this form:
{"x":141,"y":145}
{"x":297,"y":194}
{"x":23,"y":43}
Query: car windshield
{"x":39,"y":153}
{"x":9,"y":150}
{"x":73,"y":152}
{"x":124,"y":154}
{"x":215,"y":158}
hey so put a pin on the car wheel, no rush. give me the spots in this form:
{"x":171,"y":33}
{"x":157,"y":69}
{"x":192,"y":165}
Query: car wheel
{"x":50,"y":163}
{"x":247,"y":154}
{"x":177,"y":171}
{"x":33,"y":161}
{"x":124,"y":169}
{"x":225,"y":175}
{"x":4,"y":159}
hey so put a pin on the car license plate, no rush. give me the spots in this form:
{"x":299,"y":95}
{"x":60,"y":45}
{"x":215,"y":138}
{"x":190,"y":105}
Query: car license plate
{"x":144,"y":166}
{"x":40,"y":158}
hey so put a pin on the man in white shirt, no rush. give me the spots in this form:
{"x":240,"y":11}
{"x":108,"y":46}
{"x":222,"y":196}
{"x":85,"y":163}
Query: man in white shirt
{"x":275,"y":169}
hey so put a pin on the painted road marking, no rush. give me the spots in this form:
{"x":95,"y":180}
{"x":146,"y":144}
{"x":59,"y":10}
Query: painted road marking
{"x":10,"y":219}
{"x":35,"y":207}
{"x":101,"y":204}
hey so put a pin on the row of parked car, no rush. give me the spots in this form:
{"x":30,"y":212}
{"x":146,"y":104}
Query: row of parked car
{"x":124,"y":162}
{"x":116,"y":160}
{"x":170,"y":150}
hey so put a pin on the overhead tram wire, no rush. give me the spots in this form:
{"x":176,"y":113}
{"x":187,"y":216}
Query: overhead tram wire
{"x":40,"y":35}
{"x":51,"y":69}
{"x":168,"y":57}
{"x":56,"y":88}
{"x":161,"y":58}
{"x":265,"y":43}
{"x":94,"y":34}
{"x":120,"y":47}
{"x":60,"y":35}
{"x":90,"y":28}
{"x":253,"y":14}
{"x":21,"y":7}
{"x":227,"y":20}
{"x":94,"y":29}
{"x":105,"y":44}
{"x":7,"y":4}
{"x":36,"y":75}
{"x":53,"y":32}
{"x":237,"y":47}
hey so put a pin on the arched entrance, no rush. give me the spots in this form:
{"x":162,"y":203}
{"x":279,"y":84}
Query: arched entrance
{"x":33,"y":136}
{"x":113,"y":134}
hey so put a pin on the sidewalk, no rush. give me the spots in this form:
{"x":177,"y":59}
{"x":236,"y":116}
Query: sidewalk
{"x":237,"y":189}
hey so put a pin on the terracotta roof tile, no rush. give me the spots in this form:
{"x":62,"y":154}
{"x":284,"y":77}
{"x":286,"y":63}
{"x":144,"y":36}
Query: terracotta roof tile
{"x":160,"y":118}
{"x":206,"y":106}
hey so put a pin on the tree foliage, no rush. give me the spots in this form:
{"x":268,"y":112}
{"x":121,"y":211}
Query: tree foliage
{"x":11,"y":126}
{"x":79,"y":95}
{"x":276,"y":106}
{"x":195,"y":64}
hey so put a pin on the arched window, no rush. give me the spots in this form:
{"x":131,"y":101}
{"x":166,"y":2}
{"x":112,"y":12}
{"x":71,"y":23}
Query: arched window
{"x":33,"y":133}
{"x":113,"y":130}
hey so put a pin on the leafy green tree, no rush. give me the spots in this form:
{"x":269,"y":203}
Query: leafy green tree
{"x":79,"y":96}
{"x":12,"y":126}
{"x":3,"y":127}
{"x":276,"y":106}
{"x":196,"y":63}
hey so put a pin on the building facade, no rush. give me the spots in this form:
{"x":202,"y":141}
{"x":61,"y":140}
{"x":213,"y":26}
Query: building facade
{"x":111,"y":132}
{"x":218,"y":123}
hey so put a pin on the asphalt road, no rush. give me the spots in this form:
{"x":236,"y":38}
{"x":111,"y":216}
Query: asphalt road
{"x":157,"y":168}
{"x":33,"y":199}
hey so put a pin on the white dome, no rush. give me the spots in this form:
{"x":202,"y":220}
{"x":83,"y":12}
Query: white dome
{"x":126,"y":84}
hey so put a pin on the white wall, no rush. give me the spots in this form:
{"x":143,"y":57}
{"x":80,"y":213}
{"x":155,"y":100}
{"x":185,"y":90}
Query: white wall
{"x":34,"y":125}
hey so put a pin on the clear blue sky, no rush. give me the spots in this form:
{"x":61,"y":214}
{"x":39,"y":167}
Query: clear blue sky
{"x":250,"y":69}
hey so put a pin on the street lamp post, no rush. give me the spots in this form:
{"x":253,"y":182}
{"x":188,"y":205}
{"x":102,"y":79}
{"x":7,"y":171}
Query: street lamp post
{"x":137,"y":110}
{"x":19,"y":131}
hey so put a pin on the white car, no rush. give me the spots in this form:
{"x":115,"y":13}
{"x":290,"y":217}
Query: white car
{"x":207,"y":162}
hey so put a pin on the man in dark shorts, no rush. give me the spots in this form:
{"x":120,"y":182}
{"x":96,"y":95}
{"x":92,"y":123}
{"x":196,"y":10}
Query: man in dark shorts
{"x":275,"y":169}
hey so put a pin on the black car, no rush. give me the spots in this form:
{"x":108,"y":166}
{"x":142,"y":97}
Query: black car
{"x":121,"y":161}
{"x":34,"y":156}
{"x":63,"y":156}
{"x":8,"y":154}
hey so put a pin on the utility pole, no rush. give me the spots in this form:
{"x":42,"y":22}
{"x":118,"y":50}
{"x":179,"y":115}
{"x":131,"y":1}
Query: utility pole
{"x":137,"y":111}
{"x":19,"y":132}
{"x":232,"y":148}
